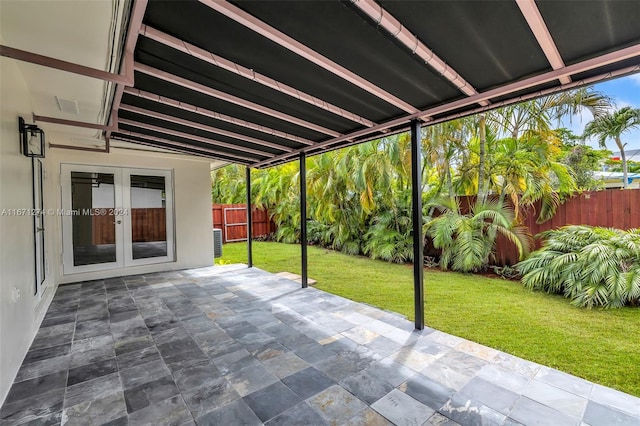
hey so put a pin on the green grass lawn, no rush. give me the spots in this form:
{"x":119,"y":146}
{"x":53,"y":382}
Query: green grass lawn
{"x":599,"y":345}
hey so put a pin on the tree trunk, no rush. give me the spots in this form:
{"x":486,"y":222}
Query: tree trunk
{"x":623,"y":158}
{"x":482,"y":129}
{"x":449,"y":181}
{"x":503,"y":194}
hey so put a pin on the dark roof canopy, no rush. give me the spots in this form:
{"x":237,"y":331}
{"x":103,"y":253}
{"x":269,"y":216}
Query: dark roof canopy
{"x":255,"y":82}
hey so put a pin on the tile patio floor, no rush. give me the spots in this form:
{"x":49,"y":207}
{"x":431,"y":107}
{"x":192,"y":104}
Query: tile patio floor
{"x":236,"y":346}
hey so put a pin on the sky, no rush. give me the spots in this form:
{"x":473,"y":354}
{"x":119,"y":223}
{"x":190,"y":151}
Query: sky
{"x":624,"y":92}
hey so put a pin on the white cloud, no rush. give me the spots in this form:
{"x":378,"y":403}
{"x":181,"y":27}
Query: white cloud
{"x":635,"y":78}
{"x":621,"y":103}
{"x":577,"y":122}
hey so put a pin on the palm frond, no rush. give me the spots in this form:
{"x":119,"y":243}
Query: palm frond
{"x":593,"y":266}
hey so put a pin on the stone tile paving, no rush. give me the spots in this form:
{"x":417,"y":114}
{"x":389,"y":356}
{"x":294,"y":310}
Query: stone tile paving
{"x":236,"y":346}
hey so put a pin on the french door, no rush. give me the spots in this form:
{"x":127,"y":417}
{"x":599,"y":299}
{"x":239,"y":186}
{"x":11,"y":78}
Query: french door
{"x":115,"y":217}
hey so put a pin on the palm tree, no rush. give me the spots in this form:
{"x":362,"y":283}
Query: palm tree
{"x":337,"y":206}
{"x":467,"y":240}
{"x":524,"y":171}
{"x":228,"y":185}
{"x":499,"y":138}
{"x":482,"y":130}
{"x":612,"y":126}
{"x":572,"y":102}
{"x":443,"y":144}
{"x":277,"y":189}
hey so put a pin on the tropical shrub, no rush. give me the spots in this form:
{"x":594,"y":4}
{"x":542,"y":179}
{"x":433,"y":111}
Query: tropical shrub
{"x":389,"y":237}
{"x":592,"y":266}
{"x":468,"y":240}
{"x":359,"y":197}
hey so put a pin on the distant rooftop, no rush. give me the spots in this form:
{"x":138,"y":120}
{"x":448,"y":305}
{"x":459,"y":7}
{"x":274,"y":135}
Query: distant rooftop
{"x":616,"y":177}
{"x":632,"y":154}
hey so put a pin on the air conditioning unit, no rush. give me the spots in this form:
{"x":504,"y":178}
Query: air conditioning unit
{"x":217,"y":242}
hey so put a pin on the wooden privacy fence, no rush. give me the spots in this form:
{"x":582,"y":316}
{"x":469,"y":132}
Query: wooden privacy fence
{"x":613,"y":208}
{"x":232,"y":219}
{"x":103,"y":230}
{"x":147,"y":224}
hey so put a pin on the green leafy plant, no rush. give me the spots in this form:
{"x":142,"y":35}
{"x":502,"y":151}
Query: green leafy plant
{"x":467,"y":240}
{"x":359,"y":197}
{"x":592,"y":266}
{"x":389,"y":237}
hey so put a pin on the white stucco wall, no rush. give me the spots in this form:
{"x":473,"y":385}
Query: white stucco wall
{"x":20,"y":311}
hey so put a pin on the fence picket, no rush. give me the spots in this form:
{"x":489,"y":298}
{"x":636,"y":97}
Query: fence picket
{"x":262,"y":224}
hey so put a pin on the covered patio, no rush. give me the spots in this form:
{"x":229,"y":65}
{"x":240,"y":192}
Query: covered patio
{"x":151,"y":95}
{"x":230,"y":345}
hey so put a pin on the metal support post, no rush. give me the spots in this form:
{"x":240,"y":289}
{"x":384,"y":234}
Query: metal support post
{"x":416,"y":207}
{"x":303,"y":218}
{"x":249,"y":221}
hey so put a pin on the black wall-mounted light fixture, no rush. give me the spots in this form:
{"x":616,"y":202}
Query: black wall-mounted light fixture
{"x":31,"y":139}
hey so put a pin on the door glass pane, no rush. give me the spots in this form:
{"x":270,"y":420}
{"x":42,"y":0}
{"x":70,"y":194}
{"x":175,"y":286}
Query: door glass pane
{"x":94,"y":228}
{"x":38,"y":222}
{"x":148,"y":216}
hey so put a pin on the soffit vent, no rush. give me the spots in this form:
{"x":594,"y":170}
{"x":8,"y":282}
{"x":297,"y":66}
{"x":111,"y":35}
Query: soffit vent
{"x":69,"y":106}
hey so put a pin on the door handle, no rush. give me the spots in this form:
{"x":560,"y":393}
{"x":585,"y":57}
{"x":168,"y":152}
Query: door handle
{"x":118,"y":222}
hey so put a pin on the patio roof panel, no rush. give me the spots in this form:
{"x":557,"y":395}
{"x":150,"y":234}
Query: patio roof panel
{"x":633,"y":63}
{"x":517,"y":94}
{"x":174,"y":91}
{"x":357,"y":62}
{"x":182,"y":127}
{"x":193,"y":141}
{"x":176,"y":146}
{"x":371,"y":53}
{"x":580,"y":28}
{"x":256,"y":52}
{"x":487,"y":42}
{"x":149,"y":105}
{"x":338,"y":52}
{"x":158,"y":56}
{"x":250,"y":74}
